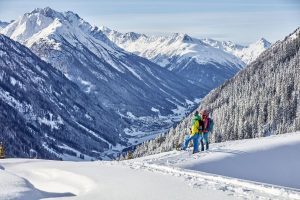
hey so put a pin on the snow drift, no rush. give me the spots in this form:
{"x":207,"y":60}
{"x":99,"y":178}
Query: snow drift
{"x":265,"y":168}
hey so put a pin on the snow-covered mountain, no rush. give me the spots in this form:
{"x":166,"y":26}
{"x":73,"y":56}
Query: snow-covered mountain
{"x":261,"y":100}
{"x":182,"y":54}
{"x":145,"y":95}
{"x":42,"y":111}
{"x":263,"y":168}
{"x":246,"y":53}
{"x":3,"y":24}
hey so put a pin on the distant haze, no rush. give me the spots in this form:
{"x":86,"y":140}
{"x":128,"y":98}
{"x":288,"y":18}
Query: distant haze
{"x":241,"y":21}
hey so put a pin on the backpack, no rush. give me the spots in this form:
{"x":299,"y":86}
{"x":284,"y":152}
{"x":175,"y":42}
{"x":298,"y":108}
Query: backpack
{"x":210,"y":124}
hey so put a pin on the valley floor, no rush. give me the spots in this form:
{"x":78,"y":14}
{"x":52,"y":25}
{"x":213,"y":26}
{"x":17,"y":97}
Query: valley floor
{"x":264,"y":168}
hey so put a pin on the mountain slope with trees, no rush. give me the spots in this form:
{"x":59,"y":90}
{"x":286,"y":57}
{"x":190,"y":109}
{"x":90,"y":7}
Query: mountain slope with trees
{"x":261,"y":100}
{"x":44,"y":112}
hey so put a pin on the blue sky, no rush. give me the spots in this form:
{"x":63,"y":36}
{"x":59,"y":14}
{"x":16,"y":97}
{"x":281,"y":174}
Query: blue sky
{"x":242,"y":21}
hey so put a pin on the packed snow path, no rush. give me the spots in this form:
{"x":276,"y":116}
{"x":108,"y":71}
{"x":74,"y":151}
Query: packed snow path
{"x":274,"y":160}
{"x":265,"y":168}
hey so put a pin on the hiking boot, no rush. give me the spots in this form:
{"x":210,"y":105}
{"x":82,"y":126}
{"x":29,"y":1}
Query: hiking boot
{"x":207,"y":146}
{"x":202,"y":145}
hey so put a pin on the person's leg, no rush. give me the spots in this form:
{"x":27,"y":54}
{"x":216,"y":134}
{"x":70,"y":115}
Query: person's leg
{"x":201,"y":141}
{"x":186,"y":142}
{"x":205,"y":138}
{"x":202,"y":145}
{"x":196,"y":143}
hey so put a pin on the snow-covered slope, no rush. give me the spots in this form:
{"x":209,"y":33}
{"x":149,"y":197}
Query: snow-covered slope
{"x":246,"y":53}
{"x":259,"y":159}
{"x":44,"y":112}
{"x":145,"y":95}
{"x":251,"y":52}
{"x":182,"y":54}
{"x":265,"y":168}
{"x":3,"y":25}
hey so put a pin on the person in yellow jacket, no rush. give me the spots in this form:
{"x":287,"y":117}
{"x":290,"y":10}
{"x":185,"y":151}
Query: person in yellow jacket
{"x":195,"y":133}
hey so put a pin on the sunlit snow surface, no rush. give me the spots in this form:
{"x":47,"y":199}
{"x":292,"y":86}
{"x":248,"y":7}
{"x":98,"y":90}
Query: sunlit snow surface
{"x":246,"y":53}
{"x":265,"y":168}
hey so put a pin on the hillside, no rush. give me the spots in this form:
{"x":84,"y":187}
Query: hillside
{"x":3,"y":24}
{"x":261,"y":100}
{"x":44,"y":112}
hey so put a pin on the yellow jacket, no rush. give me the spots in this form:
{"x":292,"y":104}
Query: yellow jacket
{"x":196,"y":125}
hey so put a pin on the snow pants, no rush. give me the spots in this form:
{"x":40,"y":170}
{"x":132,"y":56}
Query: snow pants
{"x":195,"y":139}
{"x":203,"y":139}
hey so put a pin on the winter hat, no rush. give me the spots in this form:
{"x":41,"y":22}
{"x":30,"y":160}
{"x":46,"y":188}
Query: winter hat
{"x":196,"y":113}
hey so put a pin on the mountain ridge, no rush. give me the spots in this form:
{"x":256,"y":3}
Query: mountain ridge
{"x":198,"y":62}
{"x":246,"y":53}
{"x":240,"y":51}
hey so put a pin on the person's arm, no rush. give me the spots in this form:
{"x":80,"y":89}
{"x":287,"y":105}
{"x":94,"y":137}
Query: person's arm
{"x":201,"y":124}
{"x":197,"y":125}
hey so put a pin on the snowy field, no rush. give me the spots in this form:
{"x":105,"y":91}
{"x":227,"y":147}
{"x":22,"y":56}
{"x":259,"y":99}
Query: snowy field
{"x":265,"y":168}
